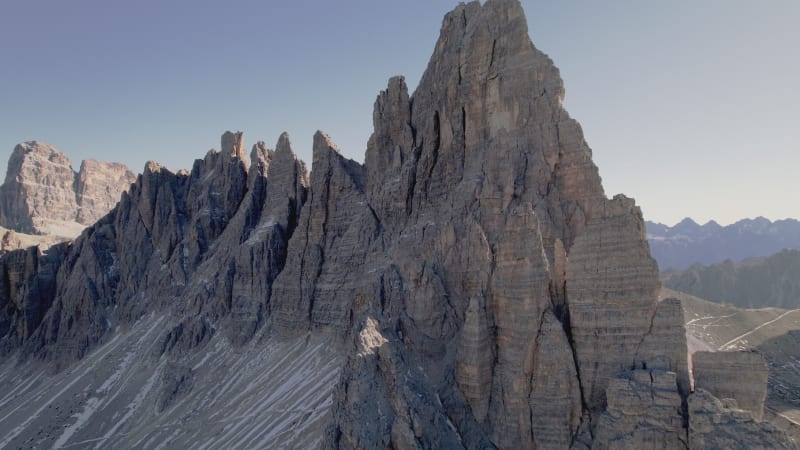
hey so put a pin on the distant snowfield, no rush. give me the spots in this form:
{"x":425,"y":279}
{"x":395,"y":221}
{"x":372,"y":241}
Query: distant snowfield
{"x":269,"y":394}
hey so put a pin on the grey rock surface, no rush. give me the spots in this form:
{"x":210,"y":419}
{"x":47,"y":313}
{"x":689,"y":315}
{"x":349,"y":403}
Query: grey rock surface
{"x":644,"y":411}
{"x":38,"y":195}
{"x":322,"y":273}
{"x":98,"y":188}
{"x":555,"y":401}
{"x":714,"y":424}
{"x":42,"y":194}
{"x":741,"y":376}
{"x":27,"y":287}
{"x":612,"y":284}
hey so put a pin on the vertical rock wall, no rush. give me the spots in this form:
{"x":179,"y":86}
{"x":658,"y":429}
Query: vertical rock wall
{"x":741,"y":376}
{"x":43,"y":195}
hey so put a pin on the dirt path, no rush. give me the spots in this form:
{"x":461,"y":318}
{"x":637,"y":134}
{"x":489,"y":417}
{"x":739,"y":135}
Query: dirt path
{"x":738,"y":338}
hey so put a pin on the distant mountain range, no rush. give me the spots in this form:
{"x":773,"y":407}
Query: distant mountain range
{"x":752,"y":283}
{"x":689,"y":243}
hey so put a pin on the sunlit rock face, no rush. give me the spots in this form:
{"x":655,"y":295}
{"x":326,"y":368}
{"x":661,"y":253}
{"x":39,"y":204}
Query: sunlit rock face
{"x":38,"y":194}
{"x":469,"y":286}
{"x":98,"y":187}
{"x":43,"y":195}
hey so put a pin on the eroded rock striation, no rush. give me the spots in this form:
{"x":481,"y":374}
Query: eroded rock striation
{"x":472,"y":282}
{"x":98,"y":188}
{"x":715,"y":424}
{"x":42,"y":194}
{"x":739,"y":376}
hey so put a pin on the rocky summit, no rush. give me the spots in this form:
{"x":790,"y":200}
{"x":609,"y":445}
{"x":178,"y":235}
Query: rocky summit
{"x":469,"y":286}
{"x":43,"y":195}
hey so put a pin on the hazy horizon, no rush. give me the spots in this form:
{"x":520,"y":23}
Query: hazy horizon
{"x":704,"y":223}
{"x":689,"y":108}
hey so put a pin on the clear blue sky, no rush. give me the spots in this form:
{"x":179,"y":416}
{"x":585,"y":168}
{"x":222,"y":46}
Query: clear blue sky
{"x":691,"y":107}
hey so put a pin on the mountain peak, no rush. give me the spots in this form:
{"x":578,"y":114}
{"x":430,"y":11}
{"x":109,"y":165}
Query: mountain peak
{"x":42,"y":194}
{"x":687,"y":222}
{"x":284,"y":143}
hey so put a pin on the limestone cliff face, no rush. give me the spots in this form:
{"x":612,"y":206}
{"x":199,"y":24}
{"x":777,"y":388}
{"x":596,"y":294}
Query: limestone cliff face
{"x":38,"y":194}
{"x":98,"y":187}
{"x":27,"y":287}
{"x":714,"y":424}
{"x":43,"y":195}
{"x":497,"y":228}
{"x":208,"y":243}
{"x":481,"y":288}
{"x":738,"y":376}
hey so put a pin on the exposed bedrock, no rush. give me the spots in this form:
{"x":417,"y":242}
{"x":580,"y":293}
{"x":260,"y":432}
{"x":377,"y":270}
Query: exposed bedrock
{"x":738,"y":376}
{"x":42,"y":194}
